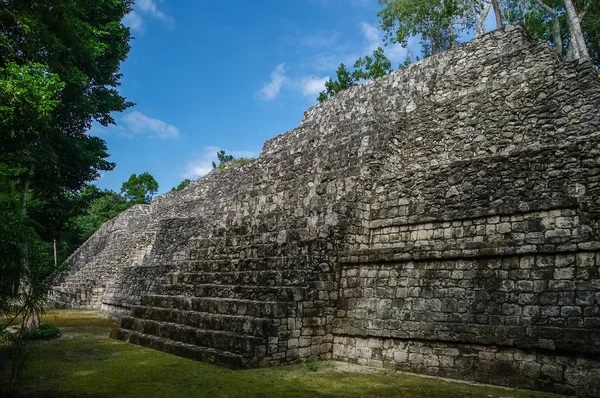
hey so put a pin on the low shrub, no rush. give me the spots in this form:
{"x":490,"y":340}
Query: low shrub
{"x":44,"y":332}
{"x":312,"y":366}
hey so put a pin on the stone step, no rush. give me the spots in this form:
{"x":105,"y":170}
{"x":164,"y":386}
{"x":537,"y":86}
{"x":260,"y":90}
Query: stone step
{"x":241,"y":344}
{"x":229,"y":265}
{"x":247,"y":292}
{"x":259,"y":309}
{"x":259,"y":327}
{"x":258,"y":278}
{"x":203,"y":354}
{"x":71,"y":288}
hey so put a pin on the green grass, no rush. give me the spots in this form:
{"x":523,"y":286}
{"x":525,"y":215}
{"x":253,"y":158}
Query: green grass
{"x":84,"y":362}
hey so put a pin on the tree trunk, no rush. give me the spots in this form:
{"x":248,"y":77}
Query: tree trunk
{"x":570,"y":51}
{"x":480,"y":16}
{"x":453,"y":42}
{"x":498,"y":14}
{"x":481,"y":21}
{"x":556,"y":35}
{"x":32,"y":321}
{"x":576,"y":33}
{"x":54,"y":249}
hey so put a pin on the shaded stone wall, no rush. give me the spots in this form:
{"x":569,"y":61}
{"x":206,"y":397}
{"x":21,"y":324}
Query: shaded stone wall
{"x":515,"y":320}
{"x":122,"y":242}
{"x":441,"y":219}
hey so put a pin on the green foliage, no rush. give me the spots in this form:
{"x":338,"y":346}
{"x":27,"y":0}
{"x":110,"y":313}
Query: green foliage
{"x":368,"y":68}
{"x":25,"y":257}
{"x":223,"y":160}
{"x":228,"y":160}
{"x":344,"y":80}
{"x":103,"y":206}
{"x":182,"y":185}
{"x":27,"y":93}
{"x":539,"y":22}
{"x":59,"y":70}
{"x":44,"y":332}
{"x":365,"y":68}
{"x":240,"y":161}
{"x":312,"y":366}
{"x":591,"y":30}
{"x":25,"y":263}
{"x":438,"y":23}
{"x":83,"y":42}
{"x":435,"y":22}
{"x":139,"y":189}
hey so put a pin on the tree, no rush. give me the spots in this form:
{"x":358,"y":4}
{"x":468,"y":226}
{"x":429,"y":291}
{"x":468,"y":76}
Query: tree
{"x":101,"y":207}
{"x":184,"y":183}
{"x":24,"y":264}
{"x":368,"y":68}
{"x":139,"y":189}
{"x":571,"y":27}
{"x":590,"y":25}
{"x":223,"y":160}
{"x":228,"y":160}
{"x":59,"y":69}
{"x":498,"y":13}
{"x":365,"y":68}
{"x":435,"y":22}
{"x":345,"y":80}
{"x":479,"y":10}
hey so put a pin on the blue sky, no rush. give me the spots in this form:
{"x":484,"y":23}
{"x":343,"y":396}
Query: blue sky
{"x":226,"y":75}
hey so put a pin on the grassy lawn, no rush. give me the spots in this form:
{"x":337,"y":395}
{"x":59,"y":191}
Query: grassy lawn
{"x":84,"y":362}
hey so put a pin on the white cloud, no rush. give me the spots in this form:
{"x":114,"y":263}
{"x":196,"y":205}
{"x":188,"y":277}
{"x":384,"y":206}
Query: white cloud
{"x":144,"y":9}
{"x":371,"y":33}
{"x":319,"y":41}
{"x":137,"y":123}
{"x":149,"y":7}
{"x":348,"y":54}
{"x":133,"y":20}
{"x":326,"y":62}
{"x":311,"y":85}
{"x":202,"y":164}
{"x":374,"y":37}
{"x":271,"y":89}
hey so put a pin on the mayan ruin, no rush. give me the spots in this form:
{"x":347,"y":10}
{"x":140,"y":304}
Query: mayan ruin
{"x":441,"y":220}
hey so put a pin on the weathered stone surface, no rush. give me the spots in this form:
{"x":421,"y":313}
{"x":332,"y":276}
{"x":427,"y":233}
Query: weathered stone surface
{"x":442,"y":219}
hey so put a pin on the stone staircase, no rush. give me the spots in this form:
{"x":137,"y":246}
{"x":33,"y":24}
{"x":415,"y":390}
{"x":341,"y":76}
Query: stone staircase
{"x":224,"y":317}
{"x":77,"y":290}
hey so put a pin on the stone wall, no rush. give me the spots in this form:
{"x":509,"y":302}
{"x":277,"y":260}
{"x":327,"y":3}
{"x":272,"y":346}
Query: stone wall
{"x":442,"y":219}
{"x":531,"y":311}
{"x":93,"y":269}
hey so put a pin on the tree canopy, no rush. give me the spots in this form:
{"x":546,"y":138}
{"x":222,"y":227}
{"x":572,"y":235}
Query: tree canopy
{"x":139,"y":189}
{"x":59,"y":73}
{"x":182,"y":185}
{"x":435,"y":22}
{"x":365,"y":68}
{"x":572,"y":27}
{"x":226,"y":160}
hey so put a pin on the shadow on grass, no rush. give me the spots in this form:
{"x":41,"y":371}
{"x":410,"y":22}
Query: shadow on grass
{"x":84,"y":362}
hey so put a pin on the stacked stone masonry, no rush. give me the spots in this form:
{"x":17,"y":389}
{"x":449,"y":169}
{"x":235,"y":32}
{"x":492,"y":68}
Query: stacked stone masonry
{"x":443,"y":220}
